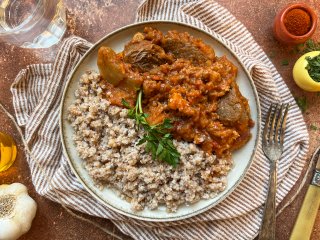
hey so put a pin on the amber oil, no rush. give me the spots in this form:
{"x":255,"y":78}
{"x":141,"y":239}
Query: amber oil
{"x":8,"y":151}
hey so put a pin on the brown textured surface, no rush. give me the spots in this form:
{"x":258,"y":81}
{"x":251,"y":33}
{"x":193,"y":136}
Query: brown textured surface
{"x":92,"y":20}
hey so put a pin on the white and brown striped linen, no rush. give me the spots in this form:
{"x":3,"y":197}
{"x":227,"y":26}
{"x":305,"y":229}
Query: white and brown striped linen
{"x":37,"y":94}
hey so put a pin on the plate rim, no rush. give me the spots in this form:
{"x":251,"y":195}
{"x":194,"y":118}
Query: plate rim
{"x":153,"y":219}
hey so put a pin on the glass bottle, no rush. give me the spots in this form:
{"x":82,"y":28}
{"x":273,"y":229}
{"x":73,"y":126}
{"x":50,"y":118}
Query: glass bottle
{"x":8,"y":151}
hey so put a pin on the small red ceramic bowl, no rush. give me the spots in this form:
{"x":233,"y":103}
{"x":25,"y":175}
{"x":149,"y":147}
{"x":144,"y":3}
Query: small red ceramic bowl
{"x":283,"y":35}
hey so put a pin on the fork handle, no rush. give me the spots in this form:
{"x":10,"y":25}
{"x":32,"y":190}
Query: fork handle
{"x":267,"y":230}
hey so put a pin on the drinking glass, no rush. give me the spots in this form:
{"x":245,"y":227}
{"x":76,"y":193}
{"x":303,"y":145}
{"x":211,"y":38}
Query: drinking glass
{"x":32,"y":23}
{"x":8,"y":151}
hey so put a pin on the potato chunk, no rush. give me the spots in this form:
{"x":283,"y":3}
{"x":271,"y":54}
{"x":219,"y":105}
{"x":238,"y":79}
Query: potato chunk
{"x":110,"y":66}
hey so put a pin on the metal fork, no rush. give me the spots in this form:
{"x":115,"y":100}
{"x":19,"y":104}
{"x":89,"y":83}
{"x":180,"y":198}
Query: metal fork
{"x":272,"y":146}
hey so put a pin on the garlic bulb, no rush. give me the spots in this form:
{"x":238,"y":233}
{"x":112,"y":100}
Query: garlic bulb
{"x":17,"y":210}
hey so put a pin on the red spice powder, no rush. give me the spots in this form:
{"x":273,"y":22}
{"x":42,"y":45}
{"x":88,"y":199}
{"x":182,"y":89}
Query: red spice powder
{"x":297,"y":22}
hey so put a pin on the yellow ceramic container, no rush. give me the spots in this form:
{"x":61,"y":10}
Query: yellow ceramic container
{"x":301,"y":75}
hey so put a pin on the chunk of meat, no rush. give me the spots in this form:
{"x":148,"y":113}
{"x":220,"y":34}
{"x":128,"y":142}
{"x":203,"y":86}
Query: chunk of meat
{"x":144,"y":55}
{"x":230,"y":108}
{"x":233,"y":111}
{"x":182,"y":45}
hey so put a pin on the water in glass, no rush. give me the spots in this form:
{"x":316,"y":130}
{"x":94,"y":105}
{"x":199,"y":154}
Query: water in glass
{"x":32,"y":23}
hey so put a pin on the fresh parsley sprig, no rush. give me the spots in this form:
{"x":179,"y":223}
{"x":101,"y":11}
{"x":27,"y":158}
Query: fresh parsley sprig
{"x":158,"y":141}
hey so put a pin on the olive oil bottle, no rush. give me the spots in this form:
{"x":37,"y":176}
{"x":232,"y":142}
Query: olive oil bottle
{"x":8,"y":151}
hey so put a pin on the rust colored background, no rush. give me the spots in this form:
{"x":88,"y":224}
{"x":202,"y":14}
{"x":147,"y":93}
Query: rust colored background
{"x":92,"y":20}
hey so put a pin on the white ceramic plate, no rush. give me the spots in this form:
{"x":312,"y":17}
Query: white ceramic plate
{"x":242,"y":158}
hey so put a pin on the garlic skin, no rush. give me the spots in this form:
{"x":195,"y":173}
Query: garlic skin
{"x":18,"y":211}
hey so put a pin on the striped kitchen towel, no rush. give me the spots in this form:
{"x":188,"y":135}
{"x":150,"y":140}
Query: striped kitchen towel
{"x":37,"y":93}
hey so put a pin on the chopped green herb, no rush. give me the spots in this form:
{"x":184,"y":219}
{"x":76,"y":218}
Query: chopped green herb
{"x":313,"y":127}
{"x":318,"y":94}
{"x":158,"y":141}
{"x":302,"y":103}
{"x":309,"y":46}
{"x":313,"y":67}
{"x":285,"y":62}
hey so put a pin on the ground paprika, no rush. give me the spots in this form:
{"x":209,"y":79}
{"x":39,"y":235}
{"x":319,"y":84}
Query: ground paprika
{"x":297,"y":22}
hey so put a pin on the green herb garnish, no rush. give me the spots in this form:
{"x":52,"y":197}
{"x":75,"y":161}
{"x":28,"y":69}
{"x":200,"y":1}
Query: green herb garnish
{"x":313,"y":67}
{"x":158,"y":141}
{"x":285,"y":62}
{"x":313,"y":127}
{"x":302,"y":103}
{"x":311,"y":45}
{"x":318,"y":94}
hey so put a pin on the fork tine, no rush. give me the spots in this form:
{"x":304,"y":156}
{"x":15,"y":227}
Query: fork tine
{"x":266,"y":125}
{"x":279,"y":120}
{"x":274,"y":116}
{"x":283,"y":124}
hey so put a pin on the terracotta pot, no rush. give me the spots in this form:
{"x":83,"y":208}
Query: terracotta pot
{"x":282,"y":34}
